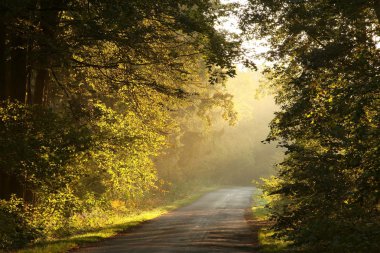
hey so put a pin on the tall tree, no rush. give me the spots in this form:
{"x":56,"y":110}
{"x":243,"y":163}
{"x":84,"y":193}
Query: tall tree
{"x":90,"y":90}
{"x":326,"y":71}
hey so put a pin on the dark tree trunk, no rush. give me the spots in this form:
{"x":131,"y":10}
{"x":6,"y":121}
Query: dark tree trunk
{"x":41,"y":79}
{"x":48,"y":20}
{"x":18,"y":69}
{"x":4,"y":178}
{"x":14,"y":87}
{"x":3,"y":89}
{"x":4,"y":185}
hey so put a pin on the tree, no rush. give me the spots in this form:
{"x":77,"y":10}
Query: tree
{"x":326,"y":73}
{"x":79,"y":56}
{"x":89,"y":92}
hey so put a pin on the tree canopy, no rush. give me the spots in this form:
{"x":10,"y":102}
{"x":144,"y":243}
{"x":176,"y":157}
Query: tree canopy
{"x":91,"y":92}
{"x":325,"y":70}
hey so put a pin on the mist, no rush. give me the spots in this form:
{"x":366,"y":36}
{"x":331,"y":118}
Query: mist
{"x":219,"y":151}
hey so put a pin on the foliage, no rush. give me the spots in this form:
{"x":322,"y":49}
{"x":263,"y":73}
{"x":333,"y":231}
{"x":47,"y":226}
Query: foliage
{"x":105,"y":224}
{"x":325,"y":70}
{"x":262,"y":203}
{"x":37,"y":145}
{"x":208,"y":147}
{"x":91,"y":92}
{"x":15,"y":227}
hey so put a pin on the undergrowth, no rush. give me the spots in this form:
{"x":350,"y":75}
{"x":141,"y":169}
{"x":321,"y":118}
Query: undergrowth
{"x":268,"y":244}
{"x":100,"y":224}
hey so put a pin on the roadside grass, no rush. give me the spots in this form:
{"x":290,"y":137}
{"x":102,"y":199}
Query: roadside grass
{"x":115,"y":225}
{"x":270,"y":244}
{"x":260,"y":213}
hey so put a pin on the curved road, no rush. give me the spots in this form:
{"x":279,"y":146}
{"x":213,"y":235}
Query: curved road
{"x":213,"y":223}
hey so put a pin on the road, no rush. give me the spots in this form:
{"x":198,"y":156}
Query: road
{"x":213,"y":223}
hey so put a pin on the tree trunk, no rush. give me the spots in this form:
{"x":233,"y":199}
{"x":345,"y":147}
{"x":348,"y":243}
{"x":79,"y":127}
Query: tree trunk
{"x":4,"y":185}
{"x":41,"y":79}
{"x":48,"y":20}
{"x":3,"y":85}
{"x":4,"y":178}
{"x":14,"y":88}
{"x":18,"y":69}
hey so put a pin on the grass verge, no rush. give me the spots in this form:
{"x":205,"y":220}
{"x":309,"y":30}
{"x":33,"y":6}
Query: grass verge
{"x":260,"y":213}
{"x":119,"y":224}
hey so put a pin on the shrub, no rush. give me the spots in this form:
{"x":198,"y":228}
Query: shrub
{"x":15,"y":227}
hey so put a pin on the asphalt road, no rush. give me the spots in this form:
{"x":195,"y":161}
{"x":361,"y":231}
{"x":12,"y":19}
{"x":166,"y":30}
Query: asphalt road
{"x":213,"y":223}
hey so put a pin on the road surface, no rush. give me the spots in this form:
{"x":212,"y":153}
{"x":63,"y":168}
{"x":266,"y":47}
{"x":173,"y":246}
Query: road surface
{"x":213,"y":223}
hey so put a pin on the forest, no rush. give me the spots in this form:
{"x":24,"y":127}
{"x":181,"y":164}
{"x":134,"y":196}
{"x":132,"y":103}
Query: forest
{"x":109,"y":107}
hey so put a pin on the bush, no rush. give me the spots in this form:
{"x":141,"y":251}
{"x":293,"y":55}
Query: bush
{"x":15,"y":229}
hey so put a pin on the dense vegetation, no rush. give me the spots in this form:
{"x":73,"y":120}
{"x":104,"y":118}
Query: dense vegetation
{"x":104,"y":103}
{"x":91,"y":92}
{"x":325,"y":69}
